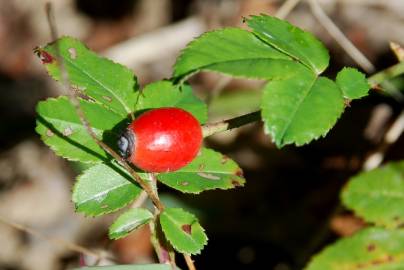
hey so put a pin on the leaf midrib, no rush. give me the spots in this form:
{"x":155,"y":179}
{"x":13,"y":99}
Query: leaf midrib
{"x":73,"y":124}
{"x":296,"y":109}
{"x":103,"y":193}
{"x":100,"y":84}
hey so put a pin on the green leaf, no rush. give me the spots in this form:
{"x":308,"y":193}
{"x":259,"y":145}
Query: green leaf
{"x":378,"y":195}
{"x":209,"y":170}
{"x":165,"y":94}
{"x":352,"y":83}
{"x":230,"y":45}
{"x":372,"y":248}
{"x":129,"y":221}
{"x":130,"y":267}
{"x":300,"y":109}
{"x":103,"y":189}
{"x":183,"y":231}
{"x":61,"y":129}
{"x":291,"y":40}
{"x":108,"y":83}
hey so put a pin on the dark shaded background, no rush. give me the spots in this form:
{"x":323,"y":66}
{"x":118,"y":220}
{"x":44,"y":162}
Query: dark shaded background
{"x":288,"y":209}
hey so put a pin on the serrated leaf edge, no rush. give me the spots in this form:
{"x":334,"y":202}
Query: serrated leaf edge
{"x":182,"y":54}
{"x":241,"y":184}
{"x":359,"y":211}
{"x":144,"y":221}
{"x":366,"y":81}
{"x":289,"y":142}
{"x":86,"y":214}
{"x":323,"y":48}
{"x":56,"y":149}
{"x":184,"y":251}
{"x":136,"y":83}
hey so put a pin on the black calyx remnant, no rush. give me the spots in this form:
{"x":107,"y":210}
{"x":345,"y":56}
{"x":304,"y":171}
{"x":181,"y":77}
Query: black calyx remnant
{"x":125,"y":143}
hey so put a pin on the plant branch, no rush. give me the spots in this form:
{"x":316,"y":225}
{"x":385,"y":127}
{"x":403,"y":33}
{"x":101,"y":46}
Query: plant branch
{"x":189,"y":261}
{"x":286,"y":8}
{"x":212,"y":128}
{"x":386,"y":74}
{"x":340,"y":38}
{"x":216,"y":127}
{"x":76,"y":103}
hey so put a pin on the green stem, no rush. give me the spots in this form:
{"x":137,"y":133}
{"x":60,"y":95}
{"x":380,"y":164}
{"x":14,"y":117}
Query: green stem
{"x":386,"y":74}
{"x":374,"y":81}
{"x":212,"y":128}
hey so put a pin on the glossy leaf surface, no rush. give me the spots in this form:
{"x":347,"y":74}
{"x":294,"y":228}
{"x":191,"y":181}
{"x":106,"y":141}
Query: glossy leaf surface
{"x":103,"y":189}
{"x":106,"y":82}
{"x":61,"y":129}
{"x":209,"y":170}
{"x":129,"y":221}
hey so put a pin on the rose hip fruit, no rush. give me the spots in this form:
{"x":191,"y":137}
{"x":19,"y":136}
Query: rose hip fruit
{"x":161,"y":140}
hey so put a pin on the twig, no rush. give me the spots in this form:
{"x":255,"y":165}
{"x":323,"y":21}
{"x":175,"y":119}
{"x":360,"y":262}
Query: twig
{"x":76,"y":103}
{"x":56,"y":241}
{"x":286,"y":8}
{"x":212,"y":128}
{"x":341,"y":39}
{"x":398,"y":51}
{"x":189,"y":261}
{"x":386,"y":74}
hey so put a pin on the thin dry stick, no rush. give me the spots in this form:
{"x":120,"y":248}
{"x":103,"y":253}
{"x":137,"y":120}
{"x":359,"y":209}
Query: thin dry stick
{"x":341,"y":39}
{"x":189,"y":261}
{"x":222,"y":82}
{"x":212,"y":128}
{"x":75,"y":101}
{"x":286,"y":8}
{"x":56,"y":241}
{"x":398,"y":51}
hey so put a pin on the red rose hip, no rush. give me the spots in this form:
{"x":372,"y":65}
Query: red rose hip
{"x":161,"y":140}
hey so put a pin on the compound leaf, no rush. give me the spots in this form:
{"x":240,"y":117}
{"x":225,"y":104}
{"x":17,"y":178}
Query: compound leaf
{"x":209,"y":170}
{"x":183,"y":231}
{"x":378,"y":195}
{"x":61,"y":129}
{"x":106,"y":82}
{"x":103,"y":189}
{"x":129,"y":221}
